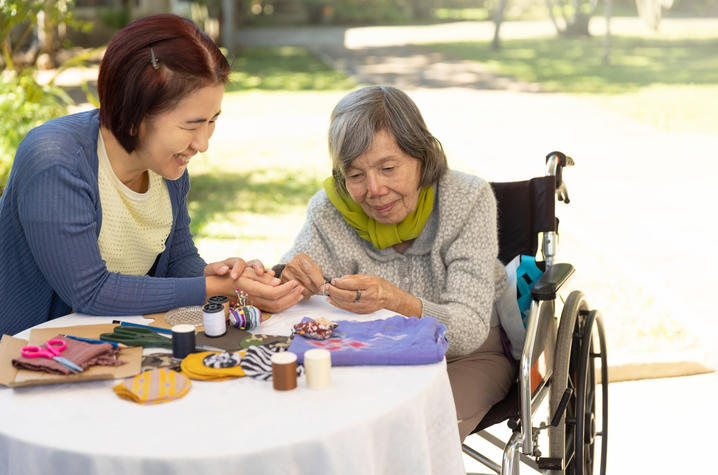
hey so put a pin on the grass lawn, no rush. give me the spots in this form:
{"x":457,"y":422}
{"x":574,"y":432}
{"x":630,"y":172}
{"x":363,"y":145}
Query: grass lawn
{"x":669,"y":83}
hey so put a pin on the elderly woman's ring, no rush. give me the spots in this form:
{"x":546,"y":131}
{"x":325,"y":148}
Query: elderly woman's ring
{"x":358,"y":296}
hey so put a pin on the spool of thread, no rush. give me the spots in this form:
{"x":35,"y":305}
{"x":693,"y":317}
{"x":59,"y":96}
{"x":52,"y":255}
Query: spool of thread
{"x":221,"y":300}
{"x":318,"y":365}
{"x":245,"y":318}
{"x":183,"y":342}
{"x":214,"y":322}
{"x":284,"y":371}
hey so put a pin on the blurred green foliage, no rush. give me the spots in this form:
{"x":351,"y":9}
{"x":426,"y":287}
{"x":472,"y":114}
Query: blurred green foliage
{"x":25,"y":103}
{"x":284,"y":68}
{"x":116,"y":18}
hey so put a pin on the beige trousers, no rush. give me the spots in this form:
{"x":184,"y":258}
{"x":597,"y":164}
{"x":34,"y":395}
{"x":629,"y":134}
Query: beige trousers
{"x":479,"y":380}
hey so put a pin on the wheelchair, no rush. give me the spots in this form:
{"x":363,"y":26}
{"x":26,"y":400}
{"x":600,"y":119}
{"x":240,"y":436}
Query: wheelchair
{"x":558,"y":358}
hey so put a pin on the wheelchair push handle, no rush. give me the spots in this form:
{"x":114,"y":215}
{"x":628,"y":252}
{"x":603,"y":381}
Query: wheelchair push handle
{"x":555,"y":163}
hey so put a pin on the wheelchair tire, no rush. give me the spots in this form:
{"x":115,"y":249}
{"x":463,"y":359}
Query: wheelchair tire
{"x":573,"y":440}
{"x":586,"y":395}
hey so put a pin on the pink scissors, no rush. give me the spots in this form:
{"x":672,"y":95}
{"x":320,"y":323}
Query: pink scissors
{"x":52,"y":350}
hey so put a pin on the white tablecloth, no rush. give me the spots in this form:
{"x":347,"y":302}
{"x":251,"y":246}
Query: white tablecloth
{"x":372,"y":420}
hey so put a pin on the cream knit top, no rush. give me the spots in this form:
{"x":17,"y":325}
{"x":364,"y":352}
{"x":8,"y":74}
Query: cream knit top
{"x":135,"y":226}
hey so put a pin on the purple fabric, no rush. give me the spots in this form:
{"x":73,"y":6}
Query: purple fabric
{"x":395,"y":341}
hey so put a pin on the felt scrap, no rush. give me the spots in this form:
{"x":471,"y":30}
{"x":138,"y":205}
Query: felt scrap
{"x":319,"y":329}
{"x":193,"y":367}
{"x":396,"y":340}
{"x":154,"y":387}
{"x":81,"y":353}
{"x":257,"y":362}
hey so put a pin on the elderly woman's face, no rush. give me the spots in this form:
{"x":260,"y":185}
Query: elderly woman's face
{"x":384,"y":180}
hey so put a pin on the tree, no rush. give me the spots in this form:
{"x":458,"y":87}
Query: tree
{"x":498,"y":15}
{"x":650,"y":11}
{"x":573,"y":16}
{"x":25,"y":103}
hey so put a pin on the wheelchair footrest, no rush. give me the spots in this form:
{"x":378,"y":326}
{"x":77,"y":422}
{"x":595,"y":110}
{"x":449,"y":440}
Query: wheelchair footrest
{"x":550,"y":463}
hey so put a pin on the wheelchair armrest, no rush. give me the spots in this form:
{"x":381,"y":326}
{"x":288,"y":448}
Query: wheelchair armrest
{"x":551,"y":280}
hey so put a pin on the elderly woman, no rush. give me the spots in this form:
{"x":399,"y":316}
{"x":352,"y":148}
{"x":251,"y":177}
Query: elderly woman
{"x":94,"y":217}
{"x":395,"y":229}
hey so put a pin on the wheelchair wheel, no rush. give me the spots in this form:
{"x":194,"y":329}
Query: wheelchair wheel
{"x":573,"y":440}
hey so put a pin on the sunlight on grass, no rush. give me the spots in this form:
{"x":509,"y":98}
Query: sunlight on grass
{"x":672,"y":84}
{"x":216,"y":200}
{"x":471,"y":14}
{"x":574,"y":65}
{"x":675,"y":108}
{"x":286,"y":68}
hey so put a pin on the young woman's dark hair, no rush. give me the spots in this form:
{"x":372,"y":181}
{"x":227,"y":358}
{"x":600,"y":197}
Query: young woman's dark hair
{"x":150,"y":66}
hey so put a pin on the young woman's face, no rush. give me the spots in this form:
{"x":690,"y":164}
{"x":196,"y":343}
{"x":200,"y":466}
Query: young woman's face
{"x":384,"y":180}
{"x":169,"y":140}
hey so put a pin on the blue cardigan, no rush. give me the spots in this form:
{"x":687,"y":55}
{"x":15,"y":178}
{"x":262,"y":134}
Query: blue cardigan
{"x":50,"y":219}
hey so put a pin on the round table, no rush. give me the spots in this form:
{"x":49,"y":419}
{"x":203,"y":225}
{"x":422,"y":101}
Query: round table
{"x":371,"y":420}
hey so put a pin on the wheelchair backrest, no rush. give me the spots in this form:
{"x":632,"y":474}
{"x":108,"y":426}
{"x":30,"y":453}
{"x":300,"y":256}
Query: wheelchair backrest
{"x":524,"y":209}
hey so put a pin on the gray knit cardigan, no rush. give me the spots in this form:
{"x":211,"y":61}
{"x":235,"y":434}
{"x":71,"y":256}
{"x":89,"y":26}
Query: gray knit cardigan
{"x":452,"y":266}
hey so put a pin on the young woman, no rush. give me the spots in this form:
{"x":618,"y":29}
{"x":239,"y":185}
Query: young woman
{"x":94,"y":216}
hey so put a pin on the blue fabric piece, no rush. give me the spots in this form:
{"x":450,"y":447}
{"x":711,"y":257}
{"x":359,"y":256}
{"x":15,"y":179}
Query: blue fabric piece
{"x":50,"y":218}
{"x":395,"y":341}
{"x":527,"y":274}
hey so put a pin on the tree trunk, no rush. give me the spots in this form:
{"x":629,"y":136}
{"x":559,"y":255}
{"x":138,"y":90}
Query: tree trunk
{"x":498,"y":20}
{"x":607,"y":36}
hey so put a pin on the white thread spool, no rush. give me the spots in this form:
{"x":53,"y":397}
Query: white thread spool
{"x":214,"y":322}
{"x":318,"y":365}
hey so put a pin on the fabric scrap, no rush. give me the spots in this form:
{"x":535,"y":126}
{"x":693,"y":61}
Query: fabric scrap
{"x":222,"y":360}
{"x":160,"y":360}
{"x":193,"y":367}
{"x":319,"y":329}
{"x":81,"y":353}
{"x":257,"y":363}
{"x":396,"y":340}
{"x":154,"y":387}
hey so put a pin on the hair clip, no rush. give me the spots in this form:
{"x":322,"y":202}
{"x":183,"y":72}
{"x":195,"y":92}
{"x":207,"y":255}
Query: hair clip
{"x":155,"y":62}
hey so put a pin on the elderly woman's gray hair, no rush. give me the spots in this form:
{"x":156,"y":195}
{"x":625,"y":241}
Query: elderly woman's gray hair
{"x":364,"y":112}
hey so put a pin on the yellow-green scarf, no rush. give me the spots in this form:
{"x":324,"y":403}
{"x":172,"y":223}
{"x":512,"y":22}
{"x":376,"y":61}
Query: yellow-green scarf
{"x":382,"y":235}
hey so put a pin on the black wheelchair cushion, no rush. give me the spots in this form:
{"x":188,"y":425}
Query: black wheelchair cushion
{"x":524,"y":209}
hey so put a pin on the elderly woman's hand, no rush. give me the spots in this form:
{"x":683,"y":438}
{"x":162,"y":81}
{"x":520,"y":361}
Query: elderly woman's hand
{"x":368,"y":293}
{"x":302,"y":269}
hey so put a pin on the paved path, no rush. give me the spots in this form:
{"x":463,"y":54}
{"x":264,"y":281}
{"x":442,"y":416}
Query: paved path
{"x":655,"y":427}
{"x":640,"y":228}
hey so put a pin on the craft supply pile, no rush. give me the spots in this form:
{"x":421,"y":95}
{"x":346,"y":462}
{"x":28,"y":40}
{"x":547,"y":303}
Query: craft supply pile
{"x":223,"y":340}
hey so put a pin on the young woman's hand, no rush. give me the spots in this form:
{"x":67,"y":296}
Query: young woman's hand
{"x":232,"y":265}
{"x":302,"y":269}
{"x":268,"y":293}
